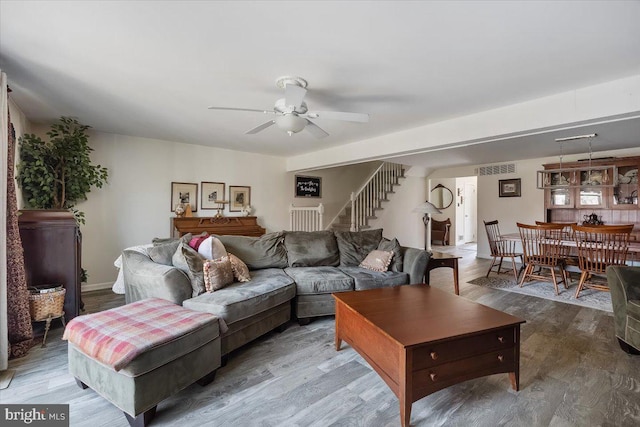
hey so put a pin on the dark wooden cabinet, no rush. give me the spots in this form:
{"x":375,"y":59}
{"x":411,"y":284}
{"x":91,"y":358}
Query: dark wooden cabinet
{"x":52,"y":242}
{"x":607,"y":187}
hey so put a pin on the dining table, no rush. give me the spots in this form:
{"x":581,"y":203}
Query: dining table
{"x":633,"y":250}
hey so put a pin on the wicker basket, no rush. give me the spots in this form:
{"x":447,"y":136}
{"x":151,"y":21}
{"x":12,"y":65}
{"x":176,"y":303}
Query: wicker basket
{"x":46,"y":304}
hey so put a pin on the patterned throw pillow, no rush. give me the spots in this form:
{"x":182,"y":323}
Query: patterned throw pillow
{"x":377,"y":260}
{"x":217,"y":273}
{"x":240,"y":269}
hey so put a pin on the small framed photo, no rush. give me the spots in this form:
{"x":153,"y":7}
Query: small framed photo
{"x":183,"y":193}
{"x":509,"y":187}
{"x":308,"y":186}
{"x":239,"y":197}
{"x":210,"y":193}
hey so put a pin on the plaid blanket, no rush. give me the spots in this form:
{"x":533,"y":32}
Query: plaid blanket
{"x":115,"y":337}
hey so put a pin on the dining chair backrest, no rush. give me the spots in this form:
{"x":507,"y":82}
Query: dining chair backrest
{"x":602,"y":245}
{"x":542,"y":243}
{"x":493,"y":234}
{"x":567,"y":229}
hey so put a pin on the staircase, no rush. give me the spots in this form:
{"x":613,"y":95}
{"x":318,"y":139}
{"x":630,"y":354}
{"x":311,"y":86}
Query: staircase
{"x":364,"y":203}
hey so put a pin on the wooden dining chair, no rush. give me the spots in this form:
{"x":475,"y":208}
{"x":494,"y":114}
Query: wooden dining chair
{"x":501,"y":249}
{"x":600,"y":246}
{"x":543,"y":250}
{"x":567,"y":230}
{"x":569,"y":253}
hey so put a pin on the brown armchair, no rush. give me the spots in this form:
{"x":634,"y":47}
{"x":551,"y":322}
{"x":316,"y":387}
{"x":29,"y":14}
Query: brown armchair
{"x":440,"y":231}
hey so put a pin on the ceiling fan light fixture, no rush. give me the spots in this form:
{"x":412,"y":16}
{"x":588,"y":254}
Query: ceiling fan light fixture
{"x":291,"y":123}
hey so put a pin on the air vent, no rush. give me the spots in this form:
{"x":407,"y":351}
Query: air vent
{"x":496,"y":169}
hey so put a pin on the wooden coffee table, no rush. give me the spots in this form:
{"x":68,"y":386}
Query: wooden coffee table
{"x":420,"y":339}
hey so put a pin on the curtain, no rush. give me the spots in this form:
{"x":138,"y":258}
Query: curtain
{"x":19,"y":329}
{"x":4,"y":157}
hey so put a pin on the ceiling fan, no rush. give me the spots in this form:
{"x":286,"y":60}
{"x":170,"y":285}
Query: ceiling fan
{"x":291,"y":113}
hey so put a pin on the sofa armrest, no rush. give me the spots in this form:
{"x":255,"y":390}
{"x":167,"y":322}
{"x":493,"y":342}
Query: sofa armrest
{"x":626,"y":281}
{"x":144,"y":278}
{"x":624,"y":284}
{"x":415,"y":263}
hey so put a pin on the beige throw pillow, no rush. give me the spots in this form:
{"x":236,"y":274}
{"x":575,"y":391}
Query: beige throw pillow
{"x":217,"y":273}
{"x":377,"y":260}
{"x":240,"y":269}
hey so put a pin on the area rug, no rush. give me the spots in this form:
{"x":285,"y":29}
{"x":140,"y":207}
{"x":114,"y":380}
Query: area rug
{"x":588,"y":297}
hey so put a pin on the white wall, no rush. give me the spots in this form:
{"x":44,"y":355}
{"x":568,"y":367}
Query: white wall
{"x":337,"y":185}
{"x":397,"y":219}
{"x":593,"y":104}
{"x":135,"y":205}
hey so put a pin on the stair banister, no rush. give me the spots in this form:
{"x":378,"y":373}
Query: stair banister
{"x":368,"y":198}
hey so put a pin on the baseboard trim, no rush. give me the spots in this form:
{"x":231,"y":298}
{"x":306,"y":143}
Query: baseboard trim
{"x":97,"y":286}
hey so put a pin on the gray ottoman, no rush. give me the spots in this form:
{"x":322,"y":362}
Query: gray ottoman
{"x":187,"y":351}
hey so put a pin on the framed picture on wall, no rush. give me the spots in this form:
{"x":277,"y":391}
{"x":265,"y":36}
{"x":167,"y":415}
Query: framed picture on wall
{"x":509,"y":187}
{"x":308,"y":186}
{"x":210,"y":193}
{"x":239,"y":197}
{"x":183,"y":193}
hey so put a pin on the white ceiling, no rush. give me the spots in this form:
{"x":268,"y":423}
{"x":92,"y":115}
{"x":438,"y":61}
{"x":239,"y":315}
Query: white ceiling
{"x":150,"y":69}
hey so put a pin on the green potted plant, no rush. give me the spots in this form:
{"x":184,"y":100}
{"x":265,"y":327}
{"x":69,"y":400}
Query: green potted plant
{"x":58,"y":174}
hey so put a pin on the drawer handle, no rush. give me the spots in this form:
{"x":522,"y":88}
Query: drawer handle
{"x":433,"y":376}
{"x":434,"y":355}
{"x":501,"y":339}
{"x":501,"y":358}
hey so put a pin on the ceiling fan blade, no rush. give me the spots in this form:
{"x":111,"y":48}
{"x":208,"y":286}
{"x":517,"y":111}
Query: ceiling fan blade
{"x":260,"y":128}
{"x":337,"y":115}
{"x":242,"y":109}
{"x":293,"y":95}
{"x":315,"y":130}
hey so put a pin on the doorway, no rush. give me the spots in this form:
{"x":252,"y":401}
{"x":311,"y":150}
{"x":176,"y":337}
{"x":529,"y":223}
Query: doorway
{"x":463,"y":212}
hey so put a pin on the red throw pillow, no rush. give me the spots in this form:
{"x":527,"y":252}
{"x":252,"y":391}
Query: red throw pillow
{"x":197,"y":241}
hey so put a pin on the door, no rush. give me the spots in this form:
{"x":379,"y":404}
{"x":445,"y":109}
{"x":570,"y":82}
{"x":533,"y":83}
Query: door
{"x":470,"y":211}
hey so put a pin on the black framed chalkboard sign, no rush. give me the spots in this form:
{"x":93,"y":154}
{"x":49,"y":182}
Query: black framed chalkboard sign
{"x":308,"y":186}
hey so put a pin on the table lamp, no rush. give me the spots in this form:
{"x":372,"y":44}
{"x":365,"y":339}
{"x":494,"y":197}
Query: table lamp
{"x":427,"y":209}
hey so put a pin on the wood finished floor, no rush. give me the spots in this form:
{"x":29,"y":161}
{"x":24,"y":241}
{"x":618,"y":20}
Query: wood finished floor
{"x":572,"y":374}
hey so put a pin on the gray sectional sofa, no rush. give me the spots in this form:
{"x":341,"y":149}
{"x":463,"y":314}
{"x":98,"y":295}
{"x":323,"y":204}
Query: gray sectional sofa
{"x":299,"y":269}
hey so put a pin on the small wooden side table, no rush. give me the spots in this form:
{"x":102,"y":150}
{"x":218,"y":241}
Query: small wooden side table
{"x":441,"y":259}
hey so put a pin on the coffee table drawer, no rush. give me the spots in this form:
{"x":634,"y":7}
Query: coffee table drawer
{"x":459,"y":370}
{"x":448,"y":351}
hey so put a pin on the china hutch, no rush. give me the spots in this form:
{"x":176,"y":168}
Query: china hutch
{"x":607,"y":187}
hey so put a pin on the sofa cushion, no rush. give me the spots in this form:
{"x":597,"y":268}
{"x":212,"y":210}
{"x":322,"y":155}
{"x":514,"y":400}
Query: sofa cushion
{"x":398,"y":257}
{"x":268,"y":288}
{"x":163,"y":249}
{"x":319,"y":280}
{"x":162,"y":240}
{"x":355,"y":245}
{"x":311,"y":248}
{"x":267,"y":251}
{"x":369,"y":279}
{"x":191,"y":262}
